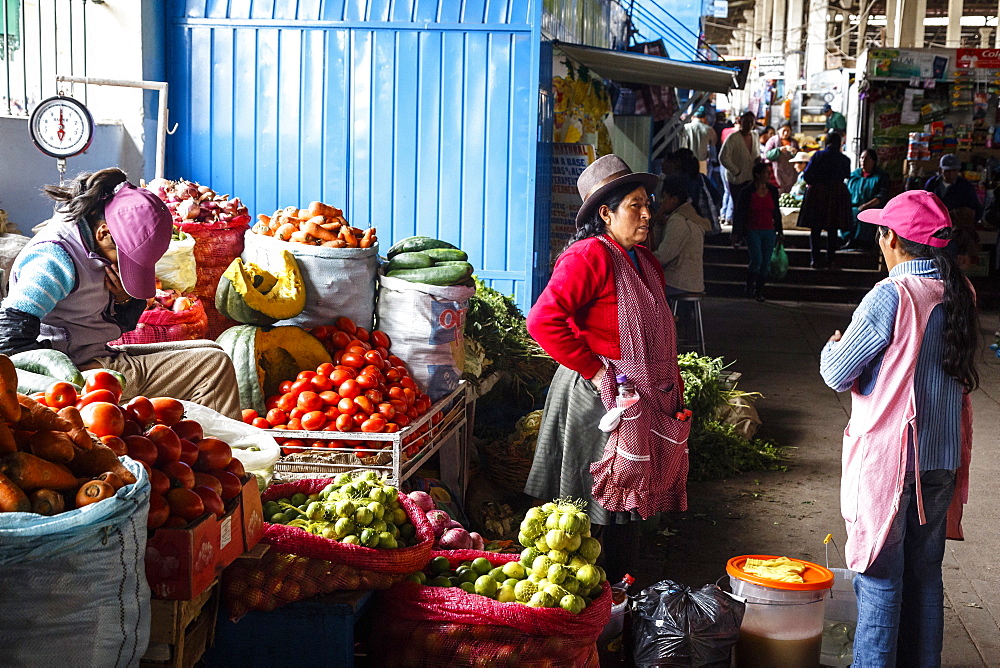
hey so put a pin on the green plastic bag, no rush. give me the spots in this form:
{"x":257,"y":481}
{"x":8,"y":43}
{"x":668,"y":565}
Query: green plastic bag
{"x":779,"y":262}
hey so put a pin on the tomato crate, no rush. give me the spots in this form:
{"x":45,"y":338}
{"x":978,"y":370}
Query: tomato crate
{"x":396,"y":455}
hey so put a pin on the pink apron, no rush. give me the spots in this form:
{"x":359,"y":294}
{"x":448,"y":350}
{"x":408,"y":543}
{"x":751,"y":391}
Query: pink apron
{"x":875,"y":441}
{"x":645,"y":462}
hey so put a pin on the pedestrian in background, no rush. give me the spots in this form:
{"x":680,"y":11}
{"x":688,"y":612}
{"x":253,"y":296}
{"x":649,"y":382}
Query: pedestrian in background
{"x":799,"y":162}
{"x":908,"y":358}
{"x":679,"y":239}
{"x":700,"y":137}
{"x":757,"y":221}
{"x":835,"y":121}
{"x":869,"y":189}
{"x":827,"y":204}
{"x":779,"y":151}
{"x":740,"y":152}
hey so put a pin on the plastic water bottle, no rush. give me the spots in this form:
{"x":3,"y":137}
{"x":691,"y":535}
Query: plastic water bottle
{"x":626,"y":392}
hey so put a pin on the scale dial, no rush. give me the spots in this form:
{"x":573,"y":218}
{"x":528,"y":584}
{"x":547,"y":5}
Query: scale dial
{"x":61,"y":127}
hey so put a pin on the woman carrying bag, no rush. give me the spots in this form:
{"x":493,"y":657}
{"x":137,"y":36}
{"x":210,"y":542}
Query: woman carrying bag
{"x":757,"y":222}
{"x":604,"y":313}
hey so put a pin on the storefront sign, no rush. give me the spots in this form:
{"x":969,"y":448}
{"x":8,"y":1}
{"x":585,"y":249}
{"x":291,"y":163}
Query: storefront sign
{"x":720,"y":9}
{"x":771,"y":66}
{"x":906,"y":64}
{"x":568,"y":162}
{"x":972,"y":59}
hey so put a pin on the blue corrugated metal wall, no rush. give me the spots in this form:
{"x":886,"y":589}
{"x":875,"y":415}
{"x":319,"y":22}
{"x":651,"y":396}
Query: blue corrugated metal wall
{"x":416,"y":116}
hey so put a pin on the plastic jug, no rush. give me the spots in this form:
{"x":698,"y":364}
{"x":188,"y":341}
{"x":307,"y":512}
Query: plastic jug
{"x":783,"y":625}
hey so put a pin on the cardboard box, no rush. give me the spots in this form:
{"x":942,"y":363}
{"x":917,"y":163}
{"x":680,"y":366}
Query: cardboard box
{"x":253,"y":514}
{"x":231,"y":544}
{"x":181,"y":563}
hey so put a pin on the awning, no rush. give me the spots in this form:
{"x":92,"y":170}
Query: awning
{"x":638,"y":68}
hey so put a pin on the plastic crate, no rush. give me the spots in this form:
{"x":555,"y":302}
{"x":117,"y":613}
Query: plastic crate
{"x":397,"y":456}
{"x":316,"y":632}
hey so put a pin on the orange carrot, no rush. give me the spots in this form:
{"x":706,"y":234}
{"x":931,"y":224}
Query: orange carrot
{"x":98,"y":460}
{"x":368,"y":240}
{"x":30,"y":472}
{"x":78,"y":432}
{"x":92,"y":492}
{"x":264,"y":219}
{"x":347,"y":234}
{"x":35,"y":417}
{"x":10,"y":410}
{"x":112,"y":479}
{"x":336,"y":243}
{"x":55,"y":446}
{"x":313,"y":227}
{"x":7,"y":442}
{"x":285,"y":231}
{"x":47,"y":502}
{"x":301,"y":237}
{"x":12,"y":497}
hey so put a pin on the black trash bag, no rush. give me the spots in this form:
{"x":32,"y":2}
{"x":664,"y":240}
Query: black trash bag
{"x":674,"y":625}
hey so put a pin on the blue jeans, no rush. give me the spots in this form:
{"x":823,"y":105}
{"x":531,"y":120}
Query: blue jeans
{"x":760,"y":245}
{"x":901,"y":595}
{"x":727,"y":198}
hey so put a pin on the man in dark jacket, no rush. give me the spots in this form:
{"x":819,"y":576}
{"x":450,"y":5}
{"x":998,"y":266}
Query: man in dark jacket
{"x":954,"y":189}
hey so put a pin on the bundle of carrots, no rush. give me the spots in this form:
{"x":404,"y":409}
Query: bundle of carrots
{"x":49,"y":462}
{"x":319,"y":225}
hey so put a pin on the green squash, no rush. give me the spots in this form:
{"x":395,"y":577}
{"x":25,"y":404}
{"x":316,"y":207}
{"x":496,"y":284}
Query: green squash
{"x":251,"y":294}
{"x":265,"y":358}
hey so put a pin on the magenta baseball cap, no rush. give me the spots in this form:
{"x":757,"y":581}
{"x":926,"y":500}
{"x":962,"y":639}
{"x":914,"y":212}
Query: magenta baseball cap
{"x":916,"y":215}
{"x":140,"y":226}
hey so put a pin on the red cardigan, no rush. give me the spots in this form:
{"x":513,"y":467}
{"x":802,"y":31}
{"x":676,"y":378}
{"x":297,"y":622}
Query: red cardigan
{"x":576,"y":317}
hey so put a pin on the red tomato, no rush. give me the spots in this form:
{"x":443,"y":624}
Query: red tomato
{"x":261,"y":423}
{"x":375,"y":359}
{"x":185,"y":504}
{"x":357,"y":343}
{"x":191,"y":430}
{"x":159,"y":511}
{"x":294,"y":424}
{"x":347,"y":406}
{"x":116,"y":444}
{"x":168,"y":445}
{"x":60,"y":395}
{"x":305,"y":375}
{"x":286,"y":402}
{"x":395,"y":361}
{"x":353,"y":360}
{"x":321,"y":383}
{"x":387,"y":411}
{"x":330,"y":398}
{"x":309,"y":401}
{"x":344,"y":422}
{"x":285,"y":386}
{"x":132,"y":428}
{"x":40,"y":398}
{"x":272,"y":401}
{"x":248,"y":415}
{"x":105,"y":396}
{"x":211,"y":500}
{"x":300,"y":386}
{"x":236,"y":468}
{"x":103,"y":419}
{"x":409,"y":396}
{"x":396,"y":392}
{"x":180,"y":474}
{"x":340,"y":340}
{"x":340,"y":375}
{"x":361,"y":334}
{"x":141,"y":410}
{"x":349,"y":389}
{"x":381,"y":339}
{"x":421,"y":406}
{"x":141,"y":448}
{"x":290,"y":446}
{"x":276,"y":416}
{"x":207,"y":480}
{"x":374,"y":395}
{"x":402,"y":419}
{"x":231,"y":485}
{"x":168,"y":411}
{"x":324,"y":369}
{"x":158,"y":481}
{"x":373,"y":425}
{"x":412,"y":413}
{"x":189,"y":451}
{"x":319,"y":445}
{"x":367,"y":382}
{"x":399,"y":405}
{"x":408,"y":383}
{"x":103,"y":380}
{"x":314,"y":421}
{"x":345,"y":324}
{"x":364,"y":404}
{"x":437,"y":417}
{"x":332,"y":412}
{"x":391,"y":428}
{"x":213,"y":454}
{"x":321,"y":332}
{"x":359,"y":419}
{"x":336,"y":356}
{"x":384,"y":352}
{"x":296,"y":413}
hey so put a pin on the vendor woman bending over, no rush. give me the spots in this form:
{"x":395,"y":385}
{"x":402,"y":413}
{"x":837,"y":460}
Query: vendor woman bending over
{"x":83,"y":281}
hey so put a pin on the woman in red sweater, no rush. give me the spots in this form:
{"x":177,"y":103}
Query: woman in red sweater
{"x":602,"y":316}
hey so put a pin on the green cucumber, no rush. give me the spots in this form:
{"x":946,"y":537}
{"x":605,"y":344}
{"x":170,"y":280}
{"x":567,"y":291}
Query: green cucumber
{"x":415,"y":260}
{"x":440,"y":274}
{"x":415,"y":244}
{"x":48,"y":362}
{"x":447,"y":254}
{"x":445,"y":263}
{"x":29,"y":383}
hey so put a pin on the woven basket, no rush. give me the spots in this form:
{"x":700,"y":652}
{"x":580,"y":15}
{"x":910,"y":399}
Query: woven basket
{"x":507,"y":470}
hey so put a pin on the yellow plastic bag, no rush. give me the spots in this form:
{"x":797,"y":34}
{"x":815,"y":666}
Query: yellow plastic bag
{"x":177,"y":269}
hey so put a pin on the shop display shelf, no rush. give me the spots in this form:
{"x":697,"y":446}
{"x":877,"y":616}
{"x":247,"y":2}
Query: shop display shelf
{"x":396,"y":456}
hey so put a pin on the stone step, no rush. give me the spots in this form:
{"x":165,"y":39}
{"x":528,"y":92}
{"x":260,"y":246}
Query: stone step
{"x":860,"y":278}
{"x":790,"y":291}
{"x":797,"y":257}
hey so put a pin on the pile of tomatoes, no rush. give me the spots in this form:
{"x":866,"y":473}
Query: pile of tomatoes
{"x":190,"y":475}
{"x":366,"y":389}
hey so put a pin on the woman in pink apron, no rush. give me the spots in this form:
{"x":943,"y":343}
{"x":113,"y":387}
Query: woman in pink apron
{"x":908,"y":358}
{"x":603,"y":314}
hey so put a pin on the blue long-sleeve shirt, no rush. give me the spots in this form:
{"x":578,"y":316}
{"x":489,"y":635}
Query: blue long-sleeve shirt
{"x":857,"y":357}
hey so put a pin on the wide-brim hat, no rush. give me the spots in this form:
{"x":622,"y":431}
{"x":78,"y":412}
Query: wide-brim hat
{"x":604,"y":175}
{"x":801,"y":156}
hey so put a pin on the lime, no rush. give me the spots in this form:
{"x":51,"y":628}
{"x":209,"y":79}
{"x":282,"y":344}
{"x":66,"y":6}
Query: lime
{"x":440,"y":564}
{"x":559,"y":556}
{"x":344,"y":527}
{"x":486,"y":586}
{"x":468,"y":575}
{"x":399,"y":516}
{"x":588,"y":576}
{"x":345,"y":508}
{"x":351,"y":540}
{"x":482,"y":565}
{"x":571,"y":584}
{"x":440,"y":581}
{"x":279,"y":518}
{"x":369,"y":538}
{"x":555,"y":591}
{"x":468,"y":587}
{"x":313,"y":497}
{"x":571,"y":603}
{"x":454,"y":581}
{"x":418,"y":577}
{"x":524,"y":590}
{"x":342,"y":479}
{"x":497,"y":574}
{"x":271,"y":507}
{"x":590,"y":549}
{"x":511,"y":582}
{"x":386,"y":541}
{"x":329,"y":532}
{"x":514,"y":569}
{"x":506,"y":594}
{"x":556,"y":573}
{"x":378,"y":510}
{"x":407,"y":530}
{"x":364,"y":516}
{"x":298,"y":499}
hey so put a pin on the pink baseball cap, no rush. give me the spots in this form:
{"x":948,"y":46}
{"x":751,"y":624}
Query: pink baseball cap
{"x":140,"y":226}
{"x":916,"y":215}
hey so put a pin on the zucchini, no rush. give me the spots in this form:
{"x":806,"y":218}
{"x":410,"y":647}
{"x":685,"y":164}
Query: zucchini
{"x":48,"y":362}
{"x":416,"y":244}
{"x":29,"y":383}
{"x":415,"y":260}
{"x":447,"y":254}
{"x":440,"y":274}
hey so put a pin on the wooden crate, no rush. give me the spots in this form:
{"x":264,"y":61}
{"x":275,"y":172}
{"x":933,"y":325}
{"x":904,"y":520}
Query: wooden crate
{"x":181,"y":631}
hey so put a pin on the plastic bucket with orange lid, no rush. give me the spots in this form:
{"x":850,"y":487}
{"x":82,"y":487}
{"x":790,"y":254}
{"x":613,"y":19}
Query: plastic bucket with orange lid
{"x":783,"y":625}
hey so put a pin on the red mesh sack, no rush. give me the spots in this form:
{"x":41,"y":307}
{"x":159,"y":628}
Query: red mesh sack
{"x":214,"y":249}
{"x":217,"y":323}
{"x":315,"y":564}
{"x":453,"y":628}
{"x":162,"y":325}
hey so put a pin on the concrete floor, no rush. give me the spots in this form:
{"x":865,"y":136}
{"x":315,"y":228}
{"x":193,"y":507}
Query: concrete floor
{"x":776,"y":347}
